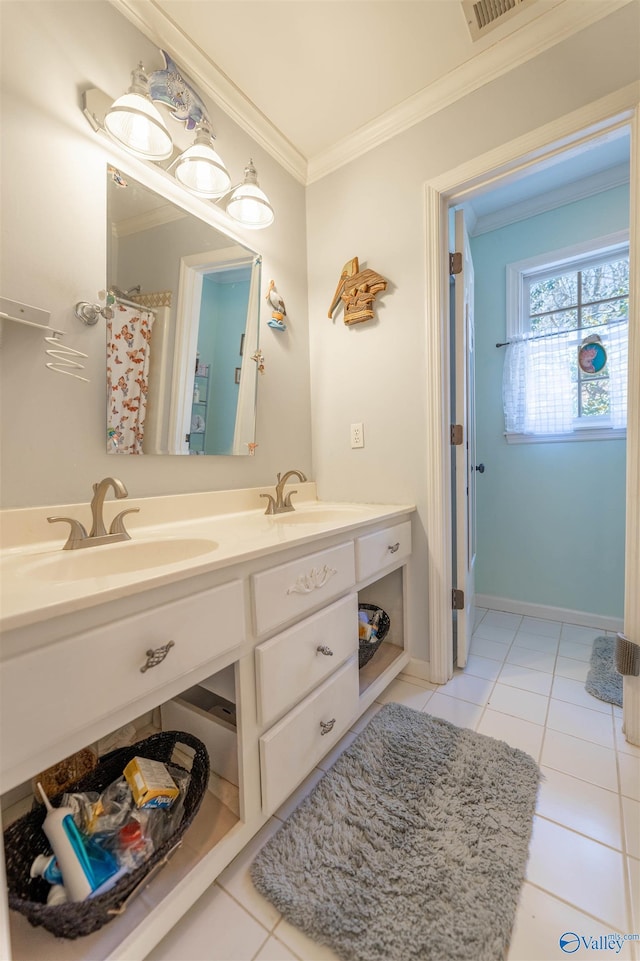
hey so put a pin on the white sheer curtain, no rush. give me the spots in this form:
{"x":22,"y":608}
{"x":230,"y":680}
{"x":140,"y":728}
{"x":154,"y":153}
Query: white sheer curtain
{"x":537,"y":390}
{"x":616,"y":344}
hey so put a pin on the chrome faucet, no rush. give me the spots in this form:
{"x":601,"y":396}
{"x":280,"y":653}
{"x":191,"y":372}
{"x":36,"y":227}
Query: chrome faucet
{"x":281,"y":504}
{"x":78,"y":536}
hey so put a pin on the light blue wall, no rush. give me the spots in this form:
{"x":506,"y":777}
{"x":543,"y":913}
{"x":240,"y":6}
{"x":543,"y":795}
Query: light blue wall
{"x":551,"y":517}
{"x":223,"y":319}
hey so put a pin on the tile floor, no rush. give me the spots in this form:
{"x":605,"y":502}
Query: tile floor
{"x":524,"y":684}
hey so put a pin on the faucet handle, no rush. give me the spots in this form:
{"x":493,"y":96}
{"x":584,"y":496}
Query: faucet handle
{"x":77,"y":534}
{"x":287,"y":500}
{"x":271,"y":506}
{"x":117,"y":525}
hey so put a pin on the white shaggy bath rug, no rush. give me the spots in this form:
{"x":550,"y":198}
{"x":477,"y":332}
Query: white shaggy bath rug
{"x":412,"y":847}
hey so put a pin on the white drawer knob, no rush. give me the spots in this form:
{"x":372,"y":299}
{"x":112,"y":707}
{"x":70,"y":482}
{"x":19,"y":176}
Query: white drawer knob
{"x":394,"y":547}
{"x":323,"y":649}
{"x":326,"y":726}
{"x":156,"y":656}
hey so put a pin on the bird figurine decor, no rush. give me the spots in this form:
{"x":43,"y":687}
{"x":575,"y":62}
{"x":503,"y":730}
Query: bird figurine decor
{"x":357,"y":290}
{"x":278,"y":311}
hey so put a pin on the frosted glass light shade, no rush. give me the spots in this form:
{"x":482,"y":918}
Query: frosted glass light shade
{"x":136,"y":123}
{"x":248,"y":204}
{"x":201,"y":169}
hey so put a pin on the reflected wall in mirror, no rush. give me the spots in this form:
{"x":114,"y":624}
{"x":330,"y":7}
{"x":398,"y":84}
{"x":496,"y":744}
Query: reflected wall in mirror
{"x":186,"y":301}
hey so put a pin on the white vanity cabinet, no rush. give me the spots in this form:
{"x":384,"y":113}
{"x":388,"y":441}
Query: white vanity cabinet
{"x":50,"y":696}
{"x":283,"y":622}
{"x":296,"y":661}
{"x":289,"y":590}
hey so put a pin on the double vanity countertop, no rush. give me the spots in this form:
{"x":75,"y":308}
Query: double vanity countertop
{"x":172,"y":538}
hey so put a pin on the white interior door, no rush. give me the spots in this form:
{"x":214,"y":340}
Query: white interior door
{"x":465,"y":453}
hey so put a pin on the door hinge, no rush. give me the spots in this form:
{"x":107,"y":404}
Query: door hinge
{"x":455,"y":263}
{"x":187,"y":438}
{"x":456,"y":435}
{"x":457,"y":599}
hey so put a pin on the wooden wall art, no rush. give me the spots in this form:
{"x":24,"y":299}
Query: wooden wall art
{"x":357,"y":290}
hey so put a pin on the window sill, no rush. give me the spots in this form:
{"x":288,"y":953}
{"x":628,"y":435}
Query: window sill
{"x":593,"y":433}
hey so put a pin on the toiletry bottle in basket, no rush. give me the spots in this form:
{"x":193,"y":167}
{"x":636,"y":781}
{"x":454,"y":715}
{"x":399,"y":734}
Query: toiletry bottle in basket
{"x":84,"y":866}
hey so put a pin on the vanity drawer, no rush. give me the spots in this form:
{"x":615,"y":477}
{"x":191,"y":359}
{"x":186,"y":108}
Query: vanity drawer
{"x":290,"y":749}
{"x":292,"y":663}
{"x":375,"y":552}
{"x":288,"y":591}
{"x":54,"y":691}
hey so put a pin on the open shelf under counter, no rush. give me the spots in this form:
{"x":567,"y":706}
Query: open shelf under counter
{"x":387,"y":656}
{"x":214,"y":837}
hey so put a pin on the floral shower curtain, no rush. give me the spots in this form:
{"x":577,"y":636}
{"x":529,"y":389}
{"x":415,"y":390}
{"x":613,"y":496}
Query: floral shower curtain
{"x":128,"y":352}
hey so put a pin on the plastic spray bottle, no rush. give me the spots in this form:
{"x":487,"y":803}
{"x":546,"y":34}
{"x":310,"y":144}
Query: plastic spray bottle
{"x":83,"y":864}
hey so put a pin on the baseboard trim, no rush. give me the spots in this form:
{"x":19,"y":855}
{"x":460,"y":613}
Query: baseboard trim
{"x":582,"y":619}
{"x":418,"y":669}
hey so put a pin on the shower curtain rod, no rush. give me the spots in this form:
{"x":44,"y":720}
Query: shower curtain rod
{"x":132,"y":303}
{"x":558,"y":333}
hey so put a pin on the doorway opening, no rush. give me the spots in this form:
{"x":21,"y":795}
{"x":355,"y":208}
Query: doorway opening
{"x":536,"y":152}
{"x":525,"y":516}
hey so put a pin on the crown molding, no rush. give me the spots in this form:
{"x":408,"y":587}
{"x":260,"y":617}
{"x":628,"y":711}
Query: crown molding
{"x":551,"y":199}
{"x":536,"y":36}
{"x":212,"y":82}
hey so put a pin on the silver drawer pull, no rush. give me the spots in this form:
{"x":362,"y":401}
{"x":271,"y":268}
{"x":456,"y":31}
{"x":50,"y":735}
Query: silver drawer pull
{"x":326,"y":726}
{"x":157,"y":656}
{"x":394,"y":547}
{"x":323,"y":649}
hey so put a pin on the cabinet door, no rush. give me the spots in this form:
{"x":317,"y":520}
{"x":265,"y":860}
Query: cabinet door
{"x":50,"y":693}
{"x":290,"y":749}
{"x":292,"y":663}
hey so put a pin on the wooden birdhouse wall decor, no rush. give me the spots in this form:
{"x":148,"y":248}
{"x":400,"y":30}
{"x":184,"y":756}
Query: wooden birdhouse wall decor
{"x":357,"y":290}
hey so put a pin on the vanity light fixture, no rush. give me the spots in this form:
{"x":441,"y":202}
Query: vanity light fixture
{"x":200,"y":168}
{"x":136,"y":123}
{"x":248,"y":204}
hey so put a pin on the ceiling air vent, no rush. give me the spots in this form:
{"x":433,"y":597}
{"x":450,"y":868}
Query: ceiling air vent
{"x":483,"y":15}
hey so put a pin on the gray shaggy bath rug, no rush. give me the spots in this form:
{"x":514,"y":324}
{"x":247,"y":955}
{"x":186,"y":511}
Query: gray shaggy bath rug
{"x":412,"y":847}
{"x":603,"y":680}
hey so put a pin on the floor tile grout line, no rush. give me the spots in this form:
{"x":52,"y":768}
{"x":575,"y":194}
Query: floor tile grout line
{"x":570,"y":904}
{"x":623,"y":831}
{"x":587,"y":837}
{"x":248,"y":910}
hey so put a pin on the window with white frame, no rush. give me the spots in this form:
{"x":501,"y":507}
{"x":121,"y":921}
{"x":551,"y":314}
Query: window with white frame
{"x":565,"y":371}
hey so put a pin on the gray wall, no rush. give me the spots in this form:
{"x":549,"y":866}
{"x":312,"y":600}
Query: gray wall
{"x":54,"y":254}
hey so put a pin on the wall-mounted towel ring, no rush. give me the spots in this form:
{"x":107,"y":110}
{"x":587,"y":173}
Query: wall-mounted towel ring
{"x":89,"y":313}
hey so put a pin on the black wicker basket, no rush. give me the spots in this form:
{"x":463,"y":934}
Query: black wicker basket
{"x":367,"y":649}
{"x":25,"y":839}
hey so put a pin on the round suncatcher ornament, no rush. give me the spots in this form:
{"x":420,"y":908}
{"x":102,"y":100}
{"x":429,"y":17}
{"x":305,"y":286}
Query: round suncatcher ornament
{"x":591,"y":355}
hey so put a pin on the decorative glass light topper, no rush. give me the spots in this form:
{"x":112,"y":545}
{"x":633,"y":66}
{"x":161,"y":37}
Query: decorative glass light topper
{"x":591,"y":355}
{"x":169,"y":86}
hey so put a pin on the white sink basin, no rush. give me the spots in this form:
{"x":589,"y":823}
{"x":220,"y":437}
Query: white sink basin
{"x":121,"y":558}
{"x":321,"y":515}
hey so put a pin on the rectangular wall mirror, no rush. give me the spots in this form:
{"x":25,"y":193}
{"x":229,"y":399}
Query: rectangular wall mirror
{"x":185,"y":299}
